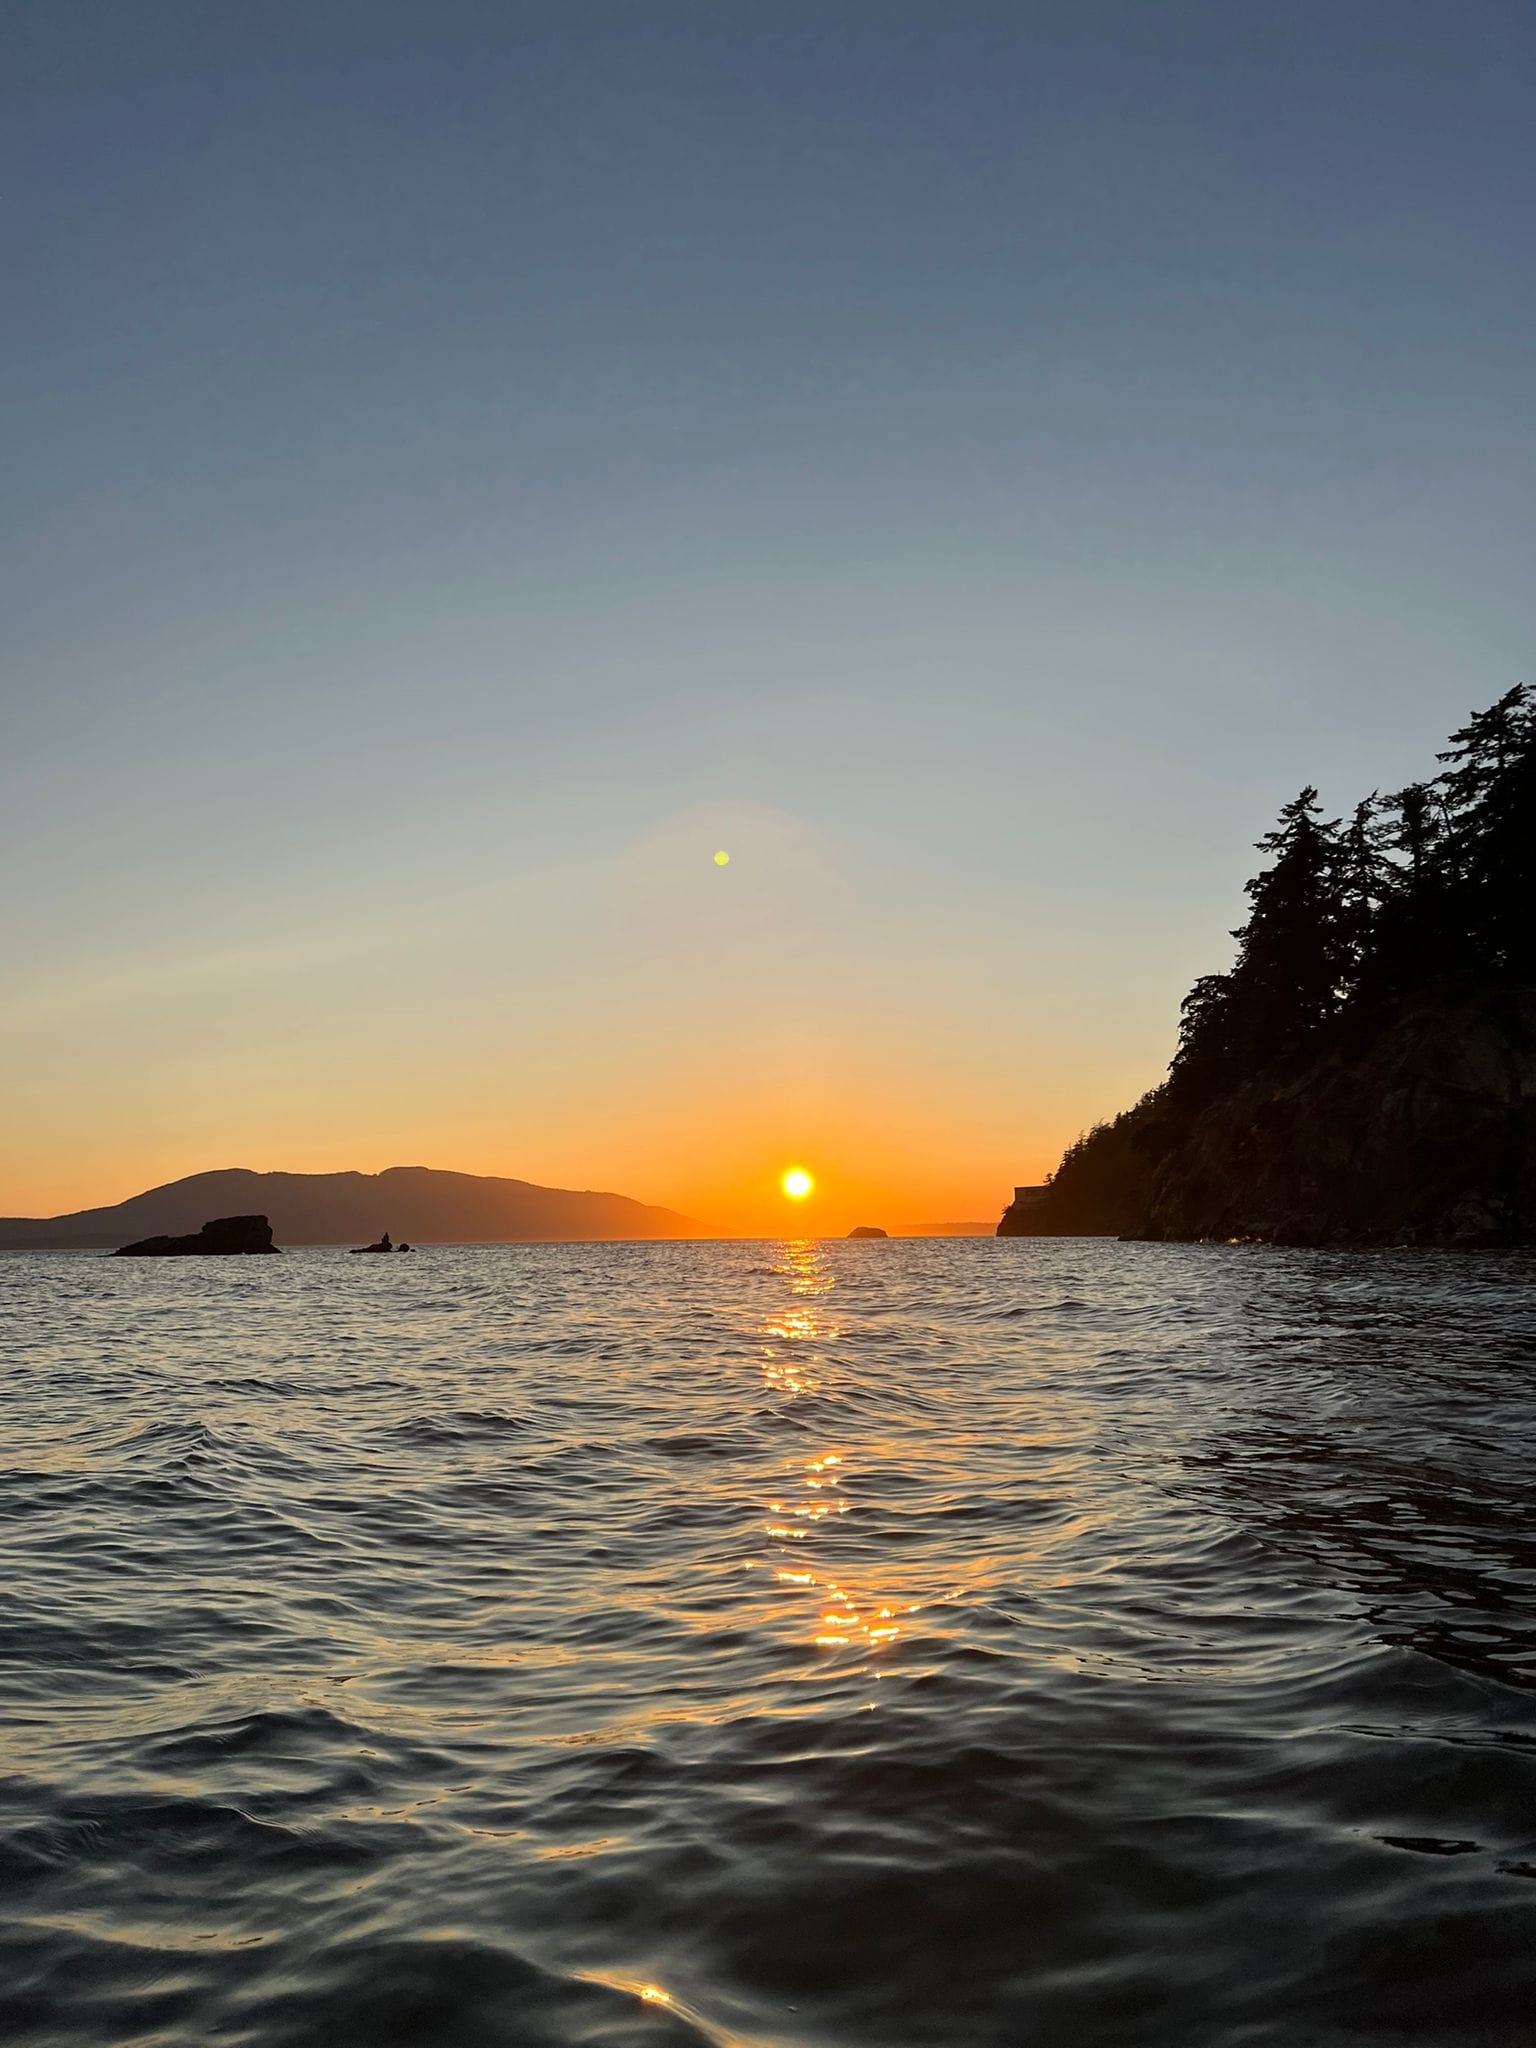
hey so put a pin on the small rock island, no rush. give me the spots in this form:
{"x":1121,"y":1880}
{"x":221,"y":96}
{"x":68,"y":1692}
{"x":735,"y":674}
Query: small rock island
{"x":225,"y":1237}
{"x":868,"y":1230}
{"x":383,"y":1245}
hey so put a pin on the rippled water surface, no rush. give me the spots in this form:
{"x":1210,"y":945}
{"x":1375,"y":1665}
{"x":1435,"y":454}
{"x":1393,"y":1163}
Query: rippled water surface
{"x":935,"y":1643}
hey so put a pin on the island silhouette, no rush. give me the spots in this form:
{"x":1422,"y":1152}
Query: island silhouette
{"x":425,"y":1204}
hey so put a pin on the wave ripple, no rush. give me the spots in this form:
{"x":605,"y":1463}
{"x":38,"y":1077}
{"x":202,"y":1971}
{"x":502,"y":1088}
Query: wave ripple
{"x":852,"y":1646}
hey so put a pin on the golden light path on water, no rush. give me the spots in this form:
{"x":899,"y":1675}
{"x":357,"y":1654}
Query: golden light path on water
{"x":839,"y":1611}
{"x":843,"y":1614}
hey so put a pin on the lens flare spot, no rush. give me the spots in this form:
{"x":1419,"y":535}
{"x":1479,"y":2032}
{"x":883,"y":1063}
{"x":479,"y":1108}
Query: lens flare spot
{"x":722,"y":859}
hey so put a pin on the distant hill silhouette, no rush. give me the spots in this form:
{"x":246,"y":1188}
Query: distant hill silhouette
{"x":421,"y":1203}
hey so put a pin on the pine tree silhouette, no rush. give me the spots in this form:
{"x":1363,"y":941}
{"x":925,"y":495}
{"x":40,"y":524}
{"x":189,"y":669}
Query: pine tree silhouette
{"x":1292,"y":954}
{"x":1488,"y":794}
{"x":1408,"y":930}
{"x":1208,"y":1058}
{"x":1365,"y":882}
{"x":1428,"y":891}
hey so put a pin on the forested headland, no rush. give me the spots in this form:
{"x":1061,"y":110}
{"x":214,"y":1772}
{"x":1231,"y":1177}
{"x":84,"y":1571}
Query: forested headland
{"x":1365,"y":1071}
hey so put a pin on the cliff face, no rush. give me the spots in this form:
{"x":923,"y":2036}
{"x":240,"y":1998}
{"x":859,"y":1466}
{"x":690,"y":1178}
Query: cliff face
{"x":1419,"y":1130}
{"x":1104,"y":1197}
{"x":1425,"y":1134}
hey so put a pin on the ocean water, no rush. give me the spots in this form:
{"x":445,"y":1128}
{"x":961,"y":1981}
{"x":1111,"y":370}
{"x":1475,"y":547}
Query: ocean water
{"x":799,"y":1644}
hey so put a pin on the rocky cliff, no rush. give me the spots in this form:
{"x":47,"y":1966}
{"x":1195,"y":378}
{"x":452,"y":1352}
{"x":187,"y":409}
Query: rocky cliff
{"x":1422,"y":1133}
{"x":1417,"y":1127}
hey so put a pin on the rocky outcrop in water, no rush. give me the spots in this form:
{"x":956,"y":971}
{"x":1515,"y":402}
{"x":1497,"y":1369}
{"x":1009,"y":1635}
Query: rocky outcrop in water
{"x":1425,"y":1134}
{"x":225,"y":1237}
{"x":868,"y":1230}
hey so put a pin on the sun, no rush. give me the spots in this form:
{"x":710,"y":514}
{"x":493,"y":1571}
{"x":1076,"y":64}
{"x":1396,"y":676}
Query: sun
{"x":797,"y":1183}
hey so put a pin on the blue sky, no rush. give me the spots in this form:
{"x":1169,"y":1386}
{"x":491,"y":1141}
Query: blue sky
{"x":989,"y":456}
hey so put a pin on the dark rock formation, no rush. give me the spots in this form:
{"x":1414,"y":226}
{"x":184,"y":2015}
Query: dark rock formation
{"x":1422,"y":1134}
{"x":1418,"y":1127}
{"x":868,"y":1230}
{"x":1100,"y":1199}
{"x":1021,"y":1217}
{"x":225,"y":1237}
{"x":383,"y":1245}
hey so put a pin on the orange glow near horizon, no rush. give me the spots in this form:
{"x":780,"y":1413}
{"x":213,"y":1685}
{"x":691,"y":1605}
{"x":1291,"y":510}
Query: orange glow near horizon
{"x":637,"y":1039}
{"x":715,"y":1161}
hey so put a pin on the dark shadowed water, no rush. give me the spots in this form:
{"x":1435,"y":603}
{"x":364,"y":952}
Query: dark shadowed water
{"x":896,"y":1643}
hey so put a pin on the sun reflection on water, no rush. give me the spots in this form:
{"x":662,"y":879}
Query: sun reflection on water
{"x":786,"y":1331}
{"x":844,"y":1619}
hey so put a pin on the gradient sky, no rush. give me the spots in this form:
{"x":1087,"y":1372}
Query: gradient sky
{"x":467,"y":462}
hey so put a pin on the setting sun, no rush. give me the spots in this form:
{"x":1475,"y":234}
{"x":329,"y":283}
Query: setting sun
{"x":797,"y":1183}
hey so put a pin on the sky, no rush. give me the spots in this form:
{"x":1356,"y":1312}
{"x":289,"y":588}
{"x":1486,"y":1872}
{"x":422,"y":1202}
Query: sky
{"x":467,"y":464}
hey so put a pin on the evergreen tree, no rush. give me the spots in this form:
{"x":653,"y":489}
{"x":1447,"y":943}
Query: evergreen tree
{"x":1415,"y":834}
{"x":1365,"y":882}
{"x":1208,"y":1058}
{"x":1408,"y":936}
{"x":1292,"y":962}
{"x":1482,"y":752}
{"x":1465,"y":847}
{"x":1489,"y":795}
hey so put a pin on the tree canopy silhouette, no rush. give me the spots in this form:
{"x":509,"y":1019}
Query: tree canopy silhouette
{"x":1429,"y":889}
{"x":1430,"y":885}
